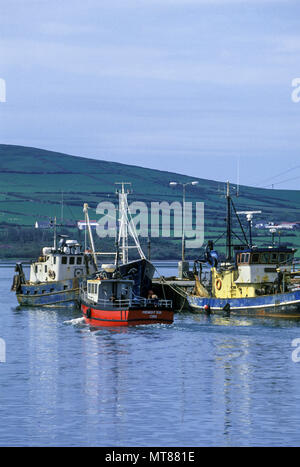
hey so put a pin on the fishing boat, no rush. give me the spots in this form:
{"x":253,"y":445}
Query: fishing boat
{"x":56,"y":276}
{"x":140,"y":270}
{"x":109,"y":300}
{"x":252,"y":280}
{"x":121,"y":293}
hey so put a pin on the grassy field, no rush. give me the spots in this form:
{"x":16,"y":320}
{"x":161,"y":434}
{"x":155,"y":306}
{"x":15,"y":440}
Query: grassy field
{"x":34,"y":182}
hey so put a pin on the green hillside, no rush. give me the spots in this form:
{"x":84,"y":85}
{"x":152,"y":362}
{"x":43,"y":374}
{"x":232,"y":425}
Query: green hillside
{"x":34,"y":181}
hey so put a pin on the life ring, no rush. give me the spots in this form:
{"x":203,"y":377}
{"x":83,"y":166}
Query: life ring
{"x":218,"y":284}
{"x":103,"y":275}
{"x":88,"y":313}
{"x":51,"y":274}
{"x":78,"y":272}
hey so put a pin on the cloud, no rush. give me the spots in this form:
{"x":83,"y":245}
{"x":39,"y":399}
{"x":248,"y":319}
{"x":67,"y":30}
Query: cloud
{"x":146,"y":63}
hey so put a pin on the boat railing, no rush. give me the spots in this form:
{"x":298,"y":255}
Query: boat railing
{"x":296,"y":265}
{"x":106,"y":302}
{"x":153,"y":302}
{"x":131,"y":302}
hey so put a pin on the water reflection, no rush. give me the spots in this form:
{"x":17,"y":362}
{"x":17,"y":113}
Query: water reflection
{"x":205,"y":380}
{"x":234,"y":378}
{"x":43,"y":370}
{"x":105,"y":374}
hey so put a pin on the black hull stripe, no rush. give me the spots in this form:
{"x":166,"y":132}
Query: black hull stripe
{"x":127,"y":320}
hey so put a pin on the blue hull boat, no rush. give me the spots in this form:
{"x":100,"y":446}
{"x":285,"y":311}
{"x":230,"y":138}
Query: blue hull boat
{"x":252,"y":280}
{"x":59,"y":293}
{"x":285,"y":304}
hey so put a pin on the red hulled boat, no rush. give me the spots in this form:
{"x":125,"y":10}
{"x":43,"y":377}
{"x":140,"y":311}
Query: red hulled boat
{"x":111,"y":302}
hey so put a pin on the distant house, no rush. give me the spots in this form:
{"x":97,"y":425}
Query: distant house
{"x":279,"y":226}
{"x":50,"y":224}
{"x":43,"y":225}
{"x":82,"y":225}
{"x":260,"y":226}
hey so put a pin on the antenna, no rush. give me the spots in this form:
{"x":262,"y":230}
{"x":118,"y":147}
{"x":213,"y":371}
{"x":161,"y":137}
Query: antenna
{"x":238,"y":177}
{"x":249,"y":216}
{"x":228,"y":222}
{"x":62,"y":208}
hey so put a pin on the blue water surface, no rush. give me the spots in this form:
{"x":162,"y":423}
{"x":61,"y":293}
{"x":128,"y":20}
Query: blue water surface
{"x":202,"y":381}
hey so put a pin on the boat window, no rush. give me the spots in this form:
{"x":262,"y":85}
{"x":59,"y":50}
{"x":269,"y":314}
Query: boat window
{"x":45,"y":268}
{"x":290,"y":257}
{"x":282,"y":258}
{"x":255,"y":258}
{"x":124,"y":292}
{"x":265,"y":257}
{"x":79,"y":260}
{"x":54,"y":260}
{"x":36,"y":269}
{"x":65,"y":287}
{"x":274,"y":258}
{"x":64,"y":260}
{"x":72,"y":260}
{"x":245,"y":258}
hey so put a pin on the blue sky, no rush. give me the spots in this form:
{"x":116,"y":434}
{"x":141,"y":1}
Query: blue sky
{"x":189,"y":86}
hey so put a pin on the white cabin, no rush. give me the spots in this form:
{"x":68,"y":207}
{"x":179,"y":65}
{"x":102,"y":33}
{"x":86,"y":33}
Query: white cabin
{"x":262,"y":265}
{"x":65,"y":262}
{"x":110,"y":291}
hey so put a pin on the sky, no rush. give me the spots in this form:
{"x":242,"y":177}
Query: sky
{"x":199,"y":87}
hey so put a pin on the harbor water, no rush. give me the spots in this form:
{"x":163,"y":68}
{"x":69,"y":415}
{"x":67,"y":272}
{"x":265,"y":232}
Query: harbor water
{"x":202,"y":381}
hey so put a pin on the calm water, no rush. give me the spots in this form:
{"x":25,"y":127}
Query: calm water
{"x":201,"y":381}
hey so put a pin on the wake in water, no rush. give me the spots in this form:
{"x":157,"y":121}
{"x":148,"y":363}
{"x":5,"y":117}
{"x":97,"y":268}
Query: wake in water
{"x":75,"y":321}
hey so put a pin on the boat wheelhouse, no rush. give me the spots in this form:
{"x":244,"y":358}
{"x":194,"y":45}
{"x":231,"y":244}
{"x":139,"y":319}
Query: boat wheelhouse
{"x":257,"y":271}
{"x":67,"y":262}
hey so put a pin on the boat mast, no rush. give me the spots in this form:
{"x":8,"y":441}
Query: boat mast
{"x":54,"y":240}
{"x":123,"y":230}
{"x":249,"y":217}
{"x":228,"y":221}
{"x":126,"y":225}
{"x":87,"y":223}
